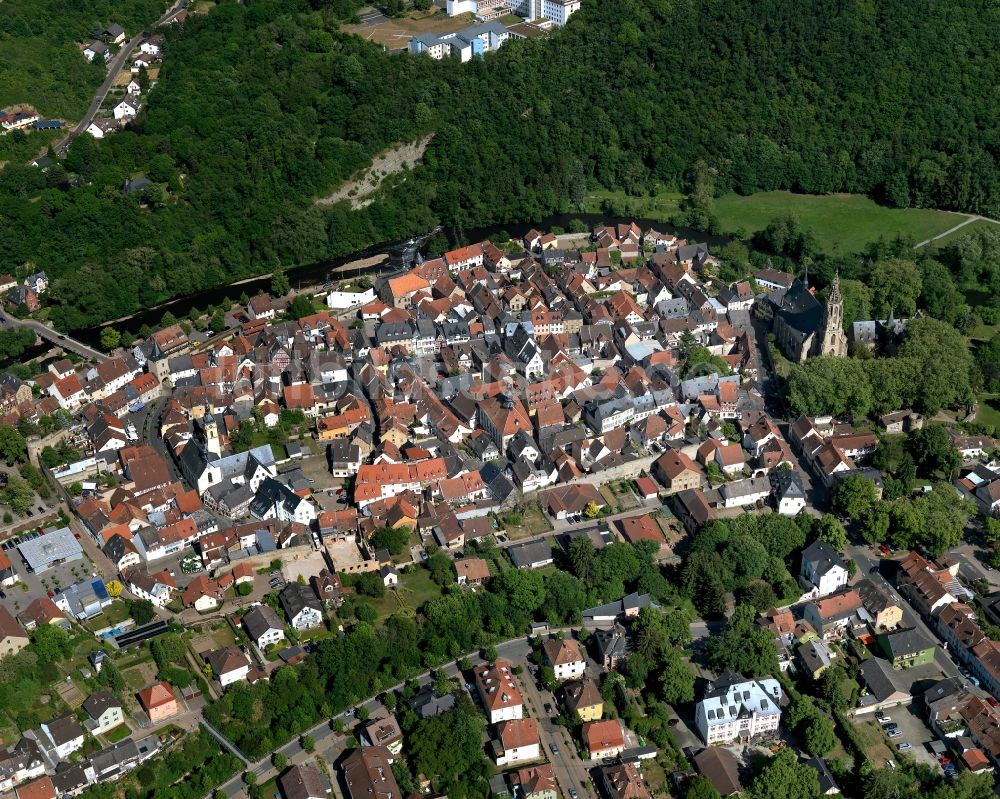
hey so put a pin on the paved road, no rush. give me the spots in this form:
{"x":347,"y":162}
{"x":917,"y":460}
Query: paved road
{"x":562,"y":527}
{"x":53,"y":336}
{"x":516,"y":649}
{"x":113,"y":69}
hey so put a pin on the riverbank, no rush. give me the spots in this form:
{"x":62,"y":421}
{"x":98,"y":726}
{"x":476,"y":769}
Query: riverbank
{"x":373,"y":261}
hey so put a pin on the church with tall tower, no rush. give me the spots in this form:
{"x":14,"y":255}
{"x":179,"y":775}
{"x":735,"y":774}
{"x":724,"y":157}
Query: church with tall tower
{"x":803,"y":326}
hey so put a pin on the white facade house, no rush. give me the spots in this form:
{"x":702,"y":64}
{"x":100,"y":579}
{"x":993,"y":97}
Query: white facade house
{"x":264,"y":626}
{"x":738,"y":709}
{"x":518,"y":742}
{"x":64,"y":734}
{"x":789,"y":493}
{"x":823,"y":570}
{"x":565,"y":658}
{"x":127,"y":108}
{"x":499,"y":692}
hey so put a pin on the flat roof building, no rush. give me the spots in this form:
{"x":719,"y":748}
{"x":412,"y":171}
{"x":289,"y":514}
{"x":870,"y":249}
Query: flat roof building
{"x":51,"y":549}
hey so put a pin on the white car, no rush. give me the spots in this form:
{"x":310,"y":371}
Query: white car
{"x":904,"y":746}
{"x":896,"y":734}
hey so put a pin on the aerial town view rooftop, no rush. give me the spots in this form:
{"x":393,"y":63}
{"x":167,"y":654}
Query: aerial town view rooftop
{"x":499,"y":399}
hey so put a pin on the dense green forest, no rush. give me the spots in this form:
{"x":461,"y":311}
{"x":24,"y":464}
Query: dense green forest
{"x":42,"y":64}
{"x":263,"y":107}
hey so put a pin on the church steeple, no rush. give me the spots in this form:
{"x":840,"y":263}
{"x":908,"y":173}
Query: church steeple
{"x":834,"y":340}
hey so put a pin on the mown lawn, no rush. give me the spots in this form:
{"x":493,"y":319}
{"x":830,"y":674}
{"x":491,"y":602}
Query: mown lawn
{"x":842,"y":223}
{"x":972,"y":227}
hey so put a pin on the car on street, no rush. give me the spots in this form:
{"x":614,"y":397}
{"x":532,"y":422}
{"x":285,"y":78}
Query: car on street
{"x":554,"y":748}
{"x":903,"y":746}
{"x":548,"y":708}
{"x":572,"y":793}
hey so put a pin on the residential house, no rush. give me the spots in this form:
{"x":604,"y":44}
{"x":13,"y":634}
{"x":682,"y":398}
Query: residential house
{"x":604,"y":738}
{"x":65,"y":735}
{"x":498,"y":691}
{"x":367,"y":774}
{"x":304,"y":781}
{"x":229,"y":664}
{"x":159,"y":702}
{"x":613,"y":645}
{"x":105,"y":712}
{"x":565,"y":658}
{"x":886,"y":613}
{"x":471,"y":571}
{"x":264,"y":626}
{"x":382,"y":731}
{"x":301,"y":605}
{"x":13,"y":638}
{"x":535,"y":782}
{"x":677,"y":471}
{"x":584,"y":699}
{"x":517,"y":742}
{"x":905,"y":648}
{"x":624,"y":781}
{"x":788,"y":492}
{"x":833,"y":615}
{"x":823,"y":570}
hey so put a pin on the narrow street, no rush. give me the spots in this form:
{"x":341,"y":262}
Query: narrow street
{"x":114,"y":67}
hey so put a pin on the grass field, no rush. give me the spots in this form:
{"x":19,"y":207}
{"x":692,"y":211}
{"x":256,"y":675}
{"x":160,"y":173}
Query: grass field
{"x":533,"y":522}
{"x":395,"y":33}
{"x":842,"y":223}
{"x":662,"y":205}
{"x":415,"y":588}
{"x":972,"y":227}
{"x":875,"y":743}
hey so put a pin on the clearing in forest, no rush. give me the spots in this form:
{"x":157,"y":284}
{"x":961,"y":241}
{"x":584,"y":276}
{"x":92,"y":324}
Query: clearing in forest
{"x":360,"y":189}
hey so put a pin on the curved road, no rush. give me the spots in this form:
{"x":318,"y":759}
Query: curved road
{"x":113,"y":69}
{"x":53,"y":336}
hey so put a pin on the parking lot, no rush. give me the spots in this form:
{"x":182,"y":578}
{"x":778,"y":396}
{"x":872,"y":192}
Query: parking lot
{"x":913,"y":731}
{"x":32,"y":586}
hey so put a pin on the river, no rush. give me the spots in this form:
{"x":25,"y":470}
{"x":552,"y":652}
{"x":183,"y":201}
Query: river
{"x":400,"y":254}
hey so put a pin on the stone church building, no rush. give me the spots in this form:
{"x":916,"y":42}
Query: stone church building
{"x":805,"y":328}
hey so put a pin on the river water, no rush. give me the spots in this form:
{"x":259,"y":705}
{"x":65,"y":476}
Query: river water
{"x":400,"y":255}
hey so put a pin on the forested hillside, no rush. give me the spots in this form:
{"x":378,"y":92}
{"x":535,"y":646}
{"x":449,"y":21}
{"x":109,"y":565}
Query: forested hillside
{"x":41,"y":63}
{"x":264,"y":107}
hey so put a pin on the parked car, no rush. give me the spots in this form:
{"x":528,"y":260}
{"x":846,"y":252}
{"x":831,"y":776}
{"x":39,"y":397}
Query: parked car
{"x":554,"y":748}
{"x":944,"y":760}
{"x":572,"y":793}
{"x":890,"y":764}
{"x":896,"y":734}
{"x":903,"y":746}
{"x":888,"y":725}
{"x":992,"y":701}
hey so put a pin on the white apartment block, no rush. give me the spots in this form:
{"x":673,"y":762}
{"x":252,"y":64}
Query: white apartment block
{"x":738,"y":709}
